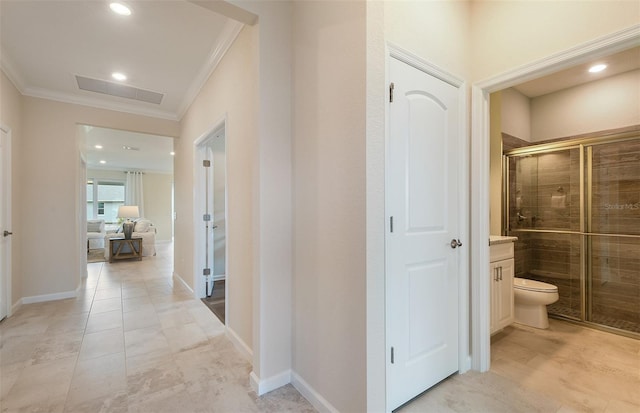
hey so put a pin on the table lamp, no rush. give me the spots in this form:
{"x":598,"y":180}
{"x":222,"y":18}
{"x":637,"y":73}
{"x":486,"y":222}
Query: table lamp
{"x":128,"y":212}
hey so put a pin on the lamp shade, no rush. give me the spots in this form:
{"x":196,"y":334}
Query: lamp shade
{"x":128,"y":211}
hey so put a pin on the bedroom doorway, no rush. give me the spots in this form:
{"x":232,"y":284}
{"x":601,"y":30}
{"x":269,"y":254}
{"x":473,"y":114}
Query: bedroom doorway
{"x":211,"y":221}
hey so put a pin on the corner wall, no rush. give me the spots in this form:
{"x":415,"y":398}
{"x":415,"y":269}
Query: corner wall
{"x":329,"y":283}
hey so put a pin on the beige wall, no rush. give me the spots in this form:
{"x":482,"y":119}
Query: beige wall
{"x":157,"y":203}
{"x":515,"y":114}
{"x":610,"y":103}
{"x":437,"y":31}
{"x":495,"y":163}
{"x":231,"y":90}
{"x":508,"y":34}
{"x":11,"y":115}
{"x":329,"y":200}
{"x":48,"y":170}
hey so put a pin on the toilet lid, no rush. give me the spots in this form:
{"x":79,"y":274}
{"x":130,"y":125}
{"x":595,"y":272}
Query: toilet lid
{"x":532,"y":285}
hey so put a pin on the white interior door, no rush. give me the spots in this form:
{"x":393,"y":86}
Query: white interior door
{"x":5,"y":224}
{"x":422,"y":208}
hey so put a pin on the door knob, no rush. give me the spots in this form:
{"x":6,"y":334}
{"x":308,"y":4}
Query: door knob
{"x":7,"y":233}
{"x":455,"y":243}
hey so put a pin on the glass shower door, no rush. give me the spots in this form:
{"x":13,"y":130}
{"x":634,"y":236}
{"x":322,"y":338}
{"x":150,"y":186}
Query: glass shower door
{"x":613,"y":234}
{"x":544,"y":213}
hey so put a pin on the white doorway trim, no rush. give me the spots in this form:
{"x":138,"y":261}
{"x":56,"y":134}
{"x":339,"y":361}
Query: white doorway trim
{"x":6,"y":210}
{"x":618,"y":41}
{"x":198,"y":202}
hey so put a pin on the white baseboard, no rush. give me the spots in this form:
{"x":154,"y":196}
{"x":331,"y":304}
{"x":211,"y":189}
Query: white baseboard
{"x":49,"y":297}
{"x":239,"y":344}
{"x":320,"y":403}
{"x":266,"y":385}
{"x":181,"y":281}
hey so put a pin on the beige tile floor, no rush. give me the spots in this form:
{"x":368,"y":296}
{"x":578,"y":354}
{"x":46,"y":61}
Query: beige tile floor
{"x":131,"y":342}
{"x":134,"y":342}
{"x":567,"y":368}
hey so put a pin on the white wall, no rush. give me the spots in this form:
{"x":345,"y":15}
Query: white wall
{"x":610,"y":103}
{"x":515,"y":114}
{"x":232,"y":91}
{"x":329,"y":200}
{"x":48,"y":170}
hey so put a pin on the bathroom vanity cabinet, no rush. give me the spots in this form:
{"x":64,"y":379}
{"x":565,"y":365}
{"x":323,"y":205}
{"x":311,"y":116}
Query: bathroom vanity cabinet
{"x":501,"y":271}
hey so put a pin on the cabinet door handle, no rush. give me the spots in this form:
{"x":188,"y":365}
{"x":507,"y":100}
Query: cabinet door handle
{"x":500,"y":273}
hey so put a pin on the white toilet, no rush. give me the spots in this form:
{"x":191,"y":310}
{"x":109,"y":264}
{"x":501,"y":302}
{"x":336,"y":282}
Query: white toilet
{"x":530,"y":301}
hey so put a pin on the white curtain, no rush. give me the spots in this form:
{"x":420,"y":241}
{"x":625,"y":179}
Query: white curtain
{"x":134,"y":194}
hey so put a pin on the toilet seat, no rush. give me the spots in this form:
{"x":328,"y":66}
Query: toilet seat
{"x":532,"y":285}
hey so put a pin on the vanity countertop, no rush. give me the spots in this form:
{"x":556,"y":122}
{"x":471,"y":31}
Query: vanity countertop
{"x":500,"y":239}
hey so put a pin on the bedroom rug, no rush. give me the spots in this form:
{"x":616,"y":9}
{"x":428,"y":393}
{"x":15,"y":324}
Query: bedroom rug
{"x":95,"y":255}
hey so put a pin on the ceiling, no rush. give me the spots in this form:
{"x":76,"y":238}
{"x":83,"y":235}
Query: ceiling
{"x":149,"y":153}
{"x":577,"y":75}
{"x":169,"y":47}
{"x":164,"y":46}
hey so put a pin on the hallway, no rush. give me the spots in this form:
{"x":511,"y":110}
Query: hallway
{"x":131,"y":342}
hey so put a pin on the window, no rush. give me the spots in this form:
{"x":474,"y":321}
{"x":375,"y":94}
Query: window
{"x":103,"y":200}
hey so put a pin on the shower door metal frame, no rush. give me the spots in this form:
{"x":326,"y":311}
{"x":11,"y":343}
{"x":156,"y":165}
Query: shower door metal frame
{"x":585,"y":147}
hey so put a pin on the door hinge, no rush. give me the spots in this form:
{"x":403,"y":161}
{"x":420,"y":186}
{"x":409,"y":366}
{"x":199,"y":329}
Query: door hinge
{"x":392,"y":356}
{"x":391,"y":87}
{"x":206,"y":163}
{"x":391,"y":224}
{"x":206,"y":217}
{"x":206,"y":271}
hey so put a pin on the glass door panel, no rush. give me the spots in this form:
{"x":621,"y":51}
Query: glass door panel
{"x":614,"y":282}
{"x":615,"y":202}
{"x":544,"y":191}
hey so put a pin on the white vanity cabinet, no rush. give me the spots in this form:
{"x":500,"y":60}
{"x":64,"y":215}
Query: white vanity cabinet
{"x":501,"y":271}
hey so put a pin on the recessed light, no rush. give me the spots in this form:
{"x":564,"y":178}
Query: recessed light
{"x":172,"y":153}
{"x":98,"y":146}
{"x":120,"y":8}
{"x":130,"y":148}
{"x":103,"y":162}
{"x":597,"y":68}
{"x":119,"y":76}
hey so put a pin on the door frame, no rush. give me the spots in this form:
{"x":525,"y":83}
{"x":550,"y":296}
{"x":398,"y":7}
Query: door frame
{"x":394,"y":51}
{"x":6,"y":185}
{"x":480,"y":144}
{"x":199,"y":200}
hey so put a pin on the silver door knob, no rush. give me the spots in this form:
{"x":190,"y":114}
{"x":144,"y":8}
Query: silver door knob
{"x":7,"y":233}
{"x":455,"y":243}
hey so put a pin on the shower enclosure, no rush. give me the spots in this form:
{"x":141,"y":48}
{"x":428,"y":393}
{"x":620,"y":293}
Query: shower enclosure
{"x":575,"y":207}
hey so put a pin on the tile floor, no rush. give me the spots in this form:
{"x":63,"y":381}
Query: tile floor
{"x":131,"y":342}
{"x":134,"y":342}
{"x":567,"y":368}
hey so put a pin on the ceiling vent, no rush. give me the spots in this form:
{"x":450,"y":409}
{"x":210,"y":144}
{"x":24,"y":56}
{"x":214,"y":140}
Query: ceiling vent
{"x":116,"y":89}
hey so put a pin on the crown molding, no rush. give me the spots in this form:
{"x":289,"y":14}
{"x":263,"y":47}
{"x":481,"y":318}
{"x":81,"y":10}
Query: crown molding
{"x":98,"y":103}
{"x":228,"y":35}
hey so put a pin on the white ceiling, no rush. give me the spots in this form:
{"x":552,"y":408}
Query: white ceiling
{"x":153,"y":152}
{"x":616,"y":63}
{"x":166,"y":46}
